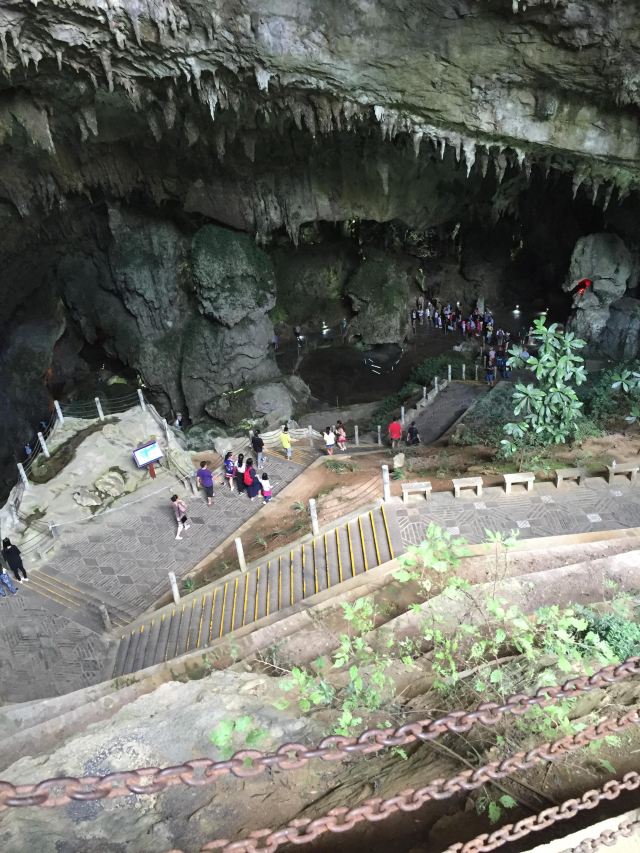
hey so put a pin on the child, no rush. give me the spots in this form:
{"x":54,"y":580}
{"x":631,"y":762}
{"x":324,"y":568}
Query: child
{"x":341,"y":437}
{"x":285,"y":441}
{"x":265,"y":489}
{"x":229,"y":468}
{"x":180,"y":509}
{"x":329,"y":440}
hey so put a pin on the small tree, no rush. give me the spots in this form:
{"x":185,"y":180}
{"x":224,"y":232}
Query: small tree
{"x":628,"y":381}
{"x":550,"y":408}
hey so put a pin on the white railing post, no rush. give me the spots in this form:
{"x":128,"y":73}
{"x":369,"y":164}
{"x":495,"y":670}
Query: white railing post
{"x":379,"y":436}
{"x":356,"y":434}
{"x":476,"y":372}
{"x":106,"y":619}
{"x":424,"y":393}
{"x":313,"y":512}
{"x":464,"y":372}
{"x":43,"y":445}
{"x":165,"y":427}
{"x":99,"y":408}
{"x":143,"y":405}
{"x":23,"y":475}
{"x":53,"y":530}
{"x":310,"y":436}
{"x":402,"y":415}
{"x":240,"y":552}
{"x":386,"y":486}
{"x":56,"y":405}
{"x":449,"y":372}
{"x":435,"y":383}
{"x":174,"y":588}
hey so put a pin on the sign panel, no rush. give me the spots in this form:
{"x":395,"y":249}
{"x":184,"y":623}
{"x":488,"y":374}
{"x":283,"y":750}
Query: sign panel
{"x":147,"y":454}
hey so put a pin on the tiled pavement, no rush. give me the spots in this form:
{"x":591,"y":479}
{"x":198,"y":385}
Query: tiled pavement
{"x":123,"y":557}
{"x":50,"y":649}
{"x":547,"y":511}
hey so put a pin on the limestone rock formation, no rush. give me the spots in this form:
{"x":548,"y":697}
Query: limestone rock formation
{"x":234,"y":280}
{"x":379,"y":292}
{"x":606,"y":263}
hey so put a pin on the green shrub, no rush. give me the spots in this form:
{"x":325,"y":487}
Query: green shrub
{"x":621,"y":634}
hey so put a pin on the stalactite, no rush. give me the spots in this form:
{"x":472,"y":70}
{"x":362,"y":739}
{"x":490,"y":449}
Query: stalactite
{"x":417,"y":139}
{"x":576,"y":183}
{"x":105,"y":59}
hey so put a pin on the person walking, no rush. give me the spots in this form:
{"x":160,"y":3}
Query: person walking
{"x":251,"y":481}
{"x":412,"y":434}
{"x":395,"y":432}
{"x":285,"y":441}
{"x":229,"y":468}
{"x":265,"y":488}
{"x":5,"y":581}
{"x":180,"y":509}
{"x":11,"y":555}
{"x":204,"y":479}
{"x":258,"y":448}
{"x":341,"y":436}
{"x":329,"y":440}
{"x":240,"y":469}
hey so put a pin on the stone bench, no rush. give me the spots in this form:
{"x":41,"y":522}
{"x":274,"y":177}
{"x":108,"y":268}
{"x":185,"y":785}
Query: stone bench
{"x":413,"y":488}
{"x":626,"y":468}
{"x":467,"y":483}
{"x":526,"y":479}
{"x":577,"y":474}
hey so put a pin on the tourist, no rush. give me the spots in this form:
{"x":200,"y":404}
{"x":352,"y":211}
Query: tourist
{"x":265,"y":488}
{"x":204,"y":480}
{"x":179,"y":421}
{"x":5,"y":580}
{"x":412,"y":434}
{"x":395,"y":432}
{"x":11,"y":555}
{"x":341,"y":436}
{"x":240,"y":469}
{"x":490,"y":374}
{"x":329,"y":440}
{"x":250,"y":480}
{"x":420,"y":302}
{"x":285,"y":441}
{"x":258,"y":448}
{"x":28,"y":450}
{"x":229,"y":468}
{"x":275,"y":341}
{"x":180,"y":509}
{"x":414,"y":319}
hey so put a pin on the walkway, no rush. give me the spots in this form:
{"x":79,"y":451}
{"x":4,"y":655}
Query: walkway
{"x":448,"y":406}
{"x":547,"y":511}
{"x":51,"y":631}
{"x":284,"y":579}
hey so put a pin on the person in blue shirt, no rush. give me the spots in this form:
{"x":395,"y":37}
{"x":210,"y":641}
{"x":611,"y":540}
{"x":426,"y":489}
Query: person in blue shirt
{"x":204,"y":478}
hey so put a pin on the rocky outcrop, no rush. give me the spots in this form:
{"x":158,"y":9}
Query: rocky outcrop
{"x":234,"y":280}
{"x":602,"y":269}
{"x":379,"y":294}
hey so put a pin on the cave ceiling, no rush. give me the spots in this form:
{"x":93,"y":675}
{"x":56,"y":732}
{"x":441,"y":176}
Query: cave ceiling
{"x":267,"y":115}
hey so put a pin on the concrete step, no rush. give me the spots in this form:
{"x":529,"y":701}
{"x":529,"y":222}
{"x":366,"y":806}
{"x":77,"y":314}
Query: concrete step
{"x":285,"y":578}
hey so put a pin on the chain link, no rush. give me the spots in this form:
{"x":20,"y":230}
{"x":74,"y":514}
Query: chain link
{"x":536,"y":823}
{"x":291,"y":756}
{"x":609,"y":837}
{"x":342,"y":819}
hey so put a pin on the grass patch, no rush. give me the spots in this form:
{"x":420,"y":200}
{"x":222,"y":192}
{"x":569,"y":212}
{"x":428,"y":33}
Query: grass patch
{"x":337,"y":466}
{"x":45,"y":469}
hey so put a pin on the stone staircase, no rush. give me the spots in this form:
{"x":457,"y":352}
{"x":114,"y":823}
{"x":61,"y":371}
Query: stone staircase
{"x":78,"y":599}
{"x":350,"y":548}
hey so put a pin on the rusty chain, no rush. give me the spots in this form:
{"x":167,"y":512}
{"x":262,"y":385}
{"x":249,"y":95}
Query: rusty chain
{"x":609,"y":837}
{"x":343,"y":819}
{"x":536,"y":823}
{"x":291,"y":756}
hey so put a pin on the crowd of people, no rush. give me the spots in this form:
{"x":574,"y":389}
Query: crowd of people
{"x":451,"y":318}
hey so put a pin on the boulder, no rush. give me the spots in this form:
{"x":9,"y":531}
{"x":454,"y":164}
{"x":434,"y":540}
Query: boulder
{"x":111,"y":484}
{"x":398,"y":462}
{"x":83,"y":497}
{"x":604,"y":260}
{"x":233,"y":278}
{"x":379,"y":293}
{"x":620,"y":338}
{"x":218,"y":360}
